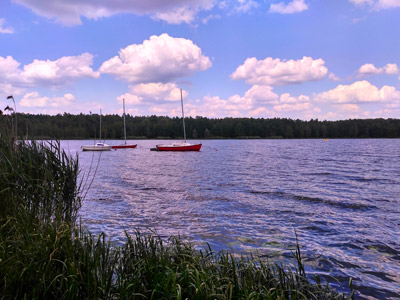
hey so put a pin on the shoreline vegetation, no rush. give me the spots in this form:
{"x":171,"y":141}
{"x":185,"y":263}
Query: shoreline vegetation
{"x":46,"y":253}
{"x":68,"y":126}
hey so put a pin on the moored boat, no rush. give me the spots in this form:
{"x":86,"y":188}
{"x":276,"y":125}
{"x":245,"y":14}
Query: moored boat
{"x":96,"y":147}
{"x":182,"y":146}
{"x":179,"y":147}
{"x":125,"y":146}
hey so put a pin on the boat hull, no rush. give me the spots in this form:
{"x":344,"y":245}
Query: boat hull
{"x":91,"y":148}
{"x":196,"y":147}
{"x":96,"y":147}
{"x":124,"y":147}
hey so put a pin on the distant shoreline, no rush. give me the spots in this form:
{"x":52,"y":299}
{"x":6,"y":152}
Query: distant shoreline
{"x":69,"y":126}
{"x":210,"y":139}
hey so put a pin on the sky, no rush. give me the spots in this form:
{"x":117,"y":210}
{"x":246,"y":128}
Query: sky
{"x":298,"y":59}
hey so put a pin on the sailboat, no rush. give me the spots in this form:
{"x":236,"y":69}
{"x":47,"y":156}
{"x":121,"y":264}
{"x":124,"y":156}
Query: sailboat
{"x":180,"y":146}
{"x":97,"y":146}
{"x":125,"y":146}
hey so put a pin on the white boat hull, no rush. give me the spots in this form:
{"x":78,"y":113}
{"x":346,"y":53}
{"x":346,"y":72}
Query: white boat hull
{"x":96,"y":147}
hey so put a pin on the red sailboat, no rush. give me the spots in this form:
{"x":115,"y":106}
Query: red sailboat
{"x":125,"y":146}
{"x":180,"y":146}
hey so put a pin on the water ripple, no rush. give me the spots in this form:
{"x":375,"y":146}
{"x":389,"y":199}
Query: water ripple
{"x":341,"y":198}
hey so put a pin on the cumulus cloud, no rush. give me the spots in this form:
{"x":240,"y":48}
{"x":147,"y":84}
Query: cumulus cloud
{"x":286,"y":98}
{"x":153,"y":92}
{"x":8,"y":68}
{"x":261,"y":94}
{"x":258,"y":101}
{"x":292,"y":7}
{"x":370,"y":69}
{"x":352,"y":108}
{"x":7,"y":89}
{"x":293,"y":107}
{"x":244,"y":6}
{"x":272,"y":71}
{"x":130,"y":99}
{"x":46,"y":72}
{"x":377,"y":4}
{"x":235,"y":106}
{"x":69,"y":12}
{"x":33,"y":99}
{"x":159,"y":59}
{"x":288,"y":102}
{"x":359,"y":92}
{"x":333,"y":77}
{"x":4,"y":29}
{"x":252,"y":103}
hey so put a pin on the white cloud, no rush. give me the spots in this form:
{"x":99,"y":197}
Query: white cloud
{"x":352,"y":108}
{"x":159,"y":59}
{"x":57,"y":72}
{"x":209,"y":18}
{"x":292,"y":7}
{"x":33,"y":99}
{"x":8,"y":68}
{"x":391,"y":69}
{"x":286,"y":98}
{"x":130,"y":99}
{"x":258,"y":101}
{"x":370,"y":69}
{"x":157,"y":92}
{"x":235,"y":106}
{"x":293,"y":107}
{"x":276,"y":72}
{"x":35,"y":103}
{"x":292,"y":103}
{"x":180,"y":15}
{"x":362,"y":2}
{"x":385,"y":4}
{"x":4,"y":29}
{"x":46,"y":72}
{"x":261,"y":94}
{"x":245,"y":6}
{"x":377,"y":4}
{"x":7,"y":89}
{"x":359,"y":92}
{"x":333,"y":77}
{"x":69,"y":12}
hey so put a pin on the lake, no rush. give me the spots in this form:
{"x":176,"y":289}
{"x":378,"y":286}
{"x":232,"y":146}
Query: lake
{"x":341,"y":197}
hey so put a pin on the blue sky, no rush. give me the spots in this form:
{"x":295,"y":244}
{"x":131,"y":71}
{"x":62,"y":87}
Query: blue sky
{"x":234,"y":58}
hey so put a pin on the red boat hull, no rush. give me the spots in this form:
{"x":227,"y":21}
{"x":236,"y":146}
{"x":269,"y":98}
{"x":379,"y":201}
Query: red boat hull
{"x":123,"y":147}
{"x":179,"y":148}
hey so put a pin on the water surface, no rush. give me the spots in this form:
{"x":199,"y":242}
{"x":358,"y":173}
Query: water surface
{"x":340,"y":196}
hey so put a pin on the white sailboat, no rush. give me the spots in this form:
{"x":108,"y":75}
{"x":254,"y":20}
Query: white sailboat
{"x":125,"y":146}
{"x":97,"y":146}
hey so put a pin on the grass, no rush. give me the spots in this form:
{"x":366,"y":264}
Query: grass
{"x":46,"y":254}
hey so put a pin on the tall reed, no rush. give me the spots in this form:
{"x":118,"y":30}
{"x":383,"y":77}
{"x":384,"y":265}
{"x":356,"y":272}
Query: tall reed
{"x":38,"y":180}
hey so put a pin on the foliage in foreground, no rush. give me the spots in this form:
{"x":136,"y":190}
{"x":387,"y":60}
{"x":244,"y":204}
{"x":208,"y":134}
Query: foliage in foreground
{"x":44,"y":254}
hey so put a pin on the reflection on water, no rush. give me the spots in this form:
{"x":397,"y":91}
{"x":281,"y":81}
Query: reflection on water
{"x":340,"y":196}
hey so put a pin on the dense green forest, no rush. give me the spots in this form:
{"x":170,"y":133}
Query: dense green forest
{"x":68,"y":126}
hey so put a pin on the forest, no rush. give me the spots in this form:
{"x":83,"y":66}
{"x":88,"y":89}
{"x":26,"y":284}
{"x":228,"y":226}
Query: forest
{"x":82,"y":126}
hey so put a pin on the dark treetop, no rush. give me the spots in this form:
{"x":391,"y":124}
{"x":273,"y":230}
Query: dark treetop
{"x":68,"y":126}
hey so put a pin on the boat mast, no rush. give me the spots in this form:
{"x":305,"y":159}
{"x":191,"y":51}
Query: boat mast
{"x":183,"y":119}
{"x":100,"y":125}
{"x":123,"y":102}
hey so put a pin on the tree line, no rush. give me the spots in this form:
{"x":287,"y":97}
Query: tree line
{"x":82,"y":126}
